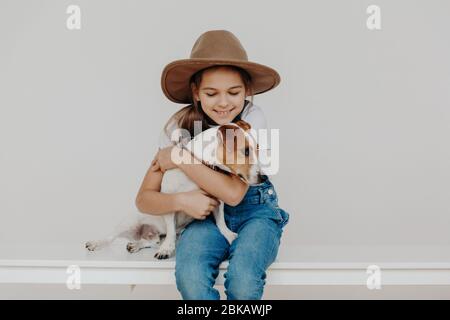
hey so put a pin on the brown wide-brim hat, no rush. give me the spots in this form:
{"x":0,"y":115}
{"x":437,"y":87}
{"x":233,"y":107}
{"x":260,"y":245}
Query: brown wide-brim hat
{"x":213,"y":48}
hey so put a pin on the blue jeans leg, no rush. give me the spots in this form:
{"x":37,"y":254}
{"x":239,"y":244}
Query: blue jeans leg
{"x":200,"y":250}
{"x":251,"y":254}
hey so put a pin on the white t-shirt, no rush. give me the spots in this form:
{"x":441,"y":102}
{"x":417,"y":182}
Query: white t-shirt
{"x":252,"y":114}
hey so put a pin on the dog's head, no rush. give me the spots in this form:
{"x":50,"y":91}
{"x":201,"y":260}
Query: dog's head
{"x":237,"y":150}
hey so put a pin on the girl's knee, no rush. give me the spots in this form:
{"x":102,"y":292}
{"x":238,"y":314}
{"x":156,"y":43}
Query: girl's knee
{"x":244,"y":286}
{"x":191,"y":267}
{"x":186,"y":285}
{"x":195,"y":281}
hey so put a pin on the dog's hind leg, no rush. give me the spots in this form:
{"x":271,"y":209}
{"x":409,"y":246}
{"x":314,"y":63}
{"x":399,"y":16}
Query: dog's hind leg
{"x":126,"y":229}
{"x":133,"y":247}
{"x":100,"y":244}
{"x":219,"y":215}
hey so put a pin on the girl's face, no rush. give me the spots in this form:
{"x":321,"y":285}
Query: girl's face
{"x":222,"y":94}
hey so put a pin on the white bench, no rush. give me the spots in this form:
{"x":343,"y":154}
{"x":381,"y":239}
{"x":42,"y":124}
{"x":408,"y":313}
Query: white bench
{"x":295,"y":265}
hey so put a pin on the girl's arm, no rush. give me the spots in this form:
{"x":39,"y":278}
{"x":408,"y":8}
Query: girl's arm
{"x":149,"y":198}
{"x":229,"y":189}
{"x":198,"y":204}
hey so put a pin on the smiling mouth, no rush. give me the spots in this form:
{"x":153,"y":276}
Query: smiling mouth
{"x":223,"y":113}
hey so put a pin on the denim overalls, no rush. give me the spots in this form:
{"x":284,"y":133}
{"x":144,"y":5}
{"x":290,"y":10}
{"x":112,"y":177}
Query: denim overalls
{"x":201,"y":248}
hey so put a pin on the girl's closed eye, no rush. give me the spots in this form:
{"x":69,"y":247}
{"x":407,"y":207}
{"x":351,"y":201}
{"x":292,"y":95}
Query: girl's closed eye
{"x":213,"y":94}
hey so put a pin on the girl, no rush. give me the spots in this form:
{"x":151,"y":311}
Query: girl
{"x":215,"y":82}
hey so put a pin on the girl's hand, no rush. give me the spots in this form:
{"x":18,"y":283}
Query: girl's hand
{"x":164,"y":159}
{"x":198,"y":203}
{"x":155,"y":164}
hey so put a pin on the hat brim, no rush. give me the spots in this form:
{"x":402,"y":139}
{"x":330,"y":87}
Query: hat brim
{"x":176,"y":75}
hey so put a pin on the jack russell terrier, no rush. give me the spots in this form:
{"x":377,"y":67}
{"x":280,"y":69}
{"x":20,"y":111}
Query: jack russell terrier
{"x":229,"y":141}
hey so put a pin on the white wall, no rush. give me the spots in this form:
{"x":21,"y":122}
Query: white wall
{"x":363,"y":115}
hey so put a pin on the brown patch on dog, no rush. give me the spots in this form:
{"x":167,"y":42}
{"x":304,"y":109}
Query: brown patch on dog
{"x":246,"y":127}
{"x":146,"y":231}
{"x":243,"y":124}
{"x":236,"y":152}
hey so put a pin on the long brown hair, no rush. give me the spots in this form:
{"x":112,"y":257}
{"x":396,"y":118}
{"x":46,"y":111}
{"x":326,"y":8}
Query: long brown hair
{"x":186,"y":117}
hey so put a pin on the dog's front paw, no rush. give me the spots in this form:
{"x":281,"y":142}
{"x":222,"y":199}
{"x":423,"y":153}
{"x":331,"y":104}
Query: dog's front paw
{"x":93,"y":245}
{"x":133,"y":247}
{"x":165,"y":251}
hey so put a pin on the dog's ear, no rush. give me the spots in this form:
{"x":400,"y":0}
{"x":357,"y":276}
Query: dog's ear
{"x":244,"y":125}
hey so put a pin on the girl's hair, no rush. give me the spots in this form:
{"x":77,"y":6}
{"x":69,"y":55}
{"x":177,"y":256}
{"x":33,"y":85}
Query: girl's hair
{"x":186,"y":117}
